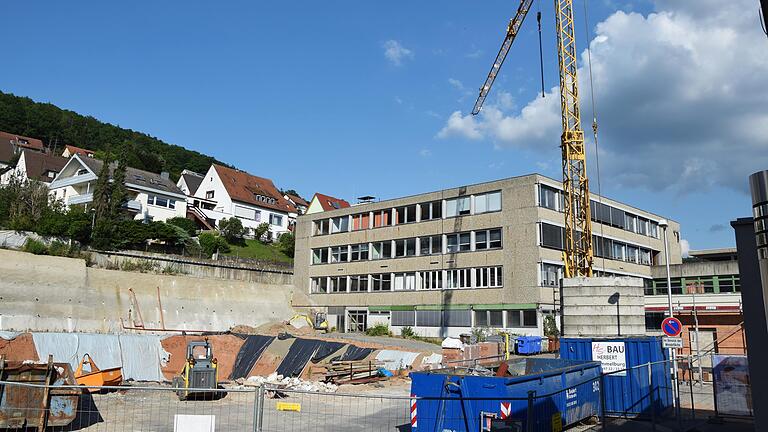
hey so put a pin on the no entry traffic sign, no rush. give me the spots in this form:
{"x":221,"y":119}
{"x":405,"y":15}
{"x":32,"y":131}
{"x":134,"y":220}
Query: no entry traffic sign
{"x":671,"y":326}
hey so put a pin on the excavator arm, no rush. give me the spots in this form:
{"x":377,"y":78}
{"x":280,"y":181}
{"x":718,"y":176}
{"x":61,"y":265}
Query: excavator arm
{"x":512,"y":29}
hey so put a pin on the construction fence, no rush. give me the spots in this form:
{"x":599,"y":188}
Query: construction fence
{"x":271,"y":409}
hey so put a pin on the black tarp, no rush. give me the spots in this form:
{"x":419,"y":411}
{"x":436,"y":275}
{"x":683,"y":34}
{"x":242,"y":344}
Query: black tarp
{"x":249,"y":354}
{"x":355,"y":353}
{"x":301,"y":351}
{"x":326,"y":349}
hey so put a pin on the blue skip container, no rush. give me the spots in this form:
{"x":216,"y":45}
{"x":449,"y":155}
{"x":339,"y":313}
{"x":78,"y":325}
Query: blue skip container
{"x":527,"y":345}
{"x":451,"y":399}
{"x":635,"y":391}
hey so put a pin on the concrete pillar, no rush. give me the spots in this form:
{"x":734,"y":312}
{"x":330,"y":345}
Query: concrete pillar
{"x":603,"y":307}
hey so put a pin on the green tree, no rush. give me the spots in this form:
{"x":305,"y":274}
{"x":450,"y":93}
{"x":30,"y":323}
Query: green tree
{"x":260,"y":231}
{"x":108,"y":198}
{"x":232,"y":229}
{"x":287,"y":243}
{"x":211,"y":243}
{"x":187,"y":224}
{"x":550,"y":326}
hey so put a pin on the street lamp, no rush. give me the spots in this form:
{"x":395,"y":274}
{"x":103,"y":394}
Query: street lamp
{"x":663,"y":224}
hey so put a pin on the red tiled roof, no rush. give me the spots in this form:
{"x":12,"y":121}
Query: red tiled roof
{"x":22,"y":141}
{"x":298,"y":200}
{"x":330,"y":203}
{"x":245,"y":188}
{"x":77,"y":150}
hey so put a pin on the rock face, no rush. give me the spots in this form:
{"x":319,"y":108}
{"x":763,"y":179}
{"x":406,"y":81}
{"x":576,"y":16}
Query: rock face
{"x":603,"y":307}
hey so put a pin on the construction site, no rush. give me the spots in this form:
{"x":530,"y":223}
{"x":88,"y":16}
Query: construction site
{"x":524,"y":303}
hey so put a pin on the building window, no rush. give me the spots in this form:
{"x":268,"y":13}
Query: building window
{"x":457,"y":318}
{"x":458,"y":279}
{"x":382,"y":250}
{"x":320,"y":256}
{"x":645,"y":257}
{"x":529,"y":318}
{"x":488,"y":202}
{"x":245,"y":212}
{"x":405,"y":214}
{"x":276,"y":220}
{"x":431,"y":210}
{"x":551,"y":236}
{"x":489,"y":318}
{"x":339,"y":254}
{"x":340,"y":224}
{"x":618,"y":251}
{"x":633,"y":253}
{"x":653,"y":320}
{"x":549,"y":197}
{"x":360,"y":221}
{"x":431,"y":280}
{"x":630,"y":222}
{"x":461,"y":242}
{"x":642,"y":226}
{"x":488,"y":239}
{"x":381,"y":282}
{"x":429,"y":318}
{"x":488,"y":277}
{"x":550,"y":274}
{"x":405,"y":281}
{"x":359,"y":252}
{"x":431,"y":245}
{"x":358,"y":283}
{"x":521,"y":318}
{"x":209,"y":194}
{"x":321,"y":227}
{"x":381,"y":218}
{"x":654,"y":229}
{"x":319,"y":285}
{"x":403,"y":318}
{"x":457,"y":207}
{"x":338,"y":284}
{"x":405,"y":247}
{"x":161,"y":201}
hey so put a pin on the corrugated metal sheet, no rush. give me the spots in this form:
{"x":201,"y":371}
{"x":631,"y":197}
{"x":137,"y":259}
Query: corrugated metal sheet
{"x":633,"y":392}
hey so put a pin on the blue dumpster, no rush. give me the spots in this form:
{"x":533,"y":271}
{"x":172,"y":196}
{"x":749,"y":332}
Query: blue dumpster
{"x":455,"y":399}
{"x":631,"y":392}
{"x":527,"y":345}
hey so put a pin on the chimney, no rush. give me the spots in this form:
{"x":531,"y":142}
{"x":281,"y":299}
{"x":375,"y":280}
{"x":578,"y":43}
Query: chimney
{"x":164,"y":175}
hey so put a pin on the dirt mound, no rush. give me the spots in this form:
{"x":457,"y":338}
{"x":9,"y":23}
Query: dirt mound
{"x":275,"y":328}
{"x":225,"y":349}
{"x":19,"y":349}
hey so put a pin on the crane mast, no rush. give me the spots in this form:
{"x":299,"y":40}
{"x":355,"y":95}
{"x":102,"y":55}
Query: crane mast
{"x":578,"y":253}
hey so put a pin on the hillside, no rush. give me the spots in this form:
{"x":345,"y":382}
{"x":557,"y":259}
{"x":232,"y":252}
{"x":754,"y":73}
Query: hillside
{"x":57,"y":127}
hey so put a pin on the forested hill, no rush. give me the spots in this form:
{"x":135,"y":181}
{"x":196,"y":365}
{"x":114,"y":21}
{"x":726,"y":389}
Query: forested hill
{"x":57,"y":127}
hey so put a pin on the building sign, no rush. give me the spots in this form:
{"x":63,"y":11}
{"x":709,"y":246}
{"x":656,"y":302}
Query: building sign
{"x":732,"y":387}
{"x":612,"y":355}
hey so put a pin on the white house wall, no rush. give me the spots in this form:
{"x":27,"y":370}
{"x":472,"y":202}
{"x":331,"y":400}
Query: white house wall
{"x":157,"y":213}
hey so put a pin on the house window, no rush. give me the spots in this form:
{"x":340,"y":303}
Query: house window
{"x":161,"y":202}
{"x":458,"y":279}
{"x":321,"y":227}
{"x":405,"y":214}
{"x":431,"y":245}
{"x":381,"y":282}
{"x":338,"y":284}
{"x":431,"y":210}
{"x":275,"y":219}
{"x":431,"y":280}
{"x":82,"y":172}
{"x":359,"y":252}
{"x":488,"y":202}
{"x":209,"y":194}
{"x":340,"y":224}
{"x":320,"y":256}
{"x":245,"y":212}
{"x":550,"y":274}
{"x":319,"y":285}
{"x":457,"y":207}
{"x":339,"y":254}
{"x":488,"y":277}
{"x":405,"y":281}
{"x":358,"y":283}
{"x":50,"y":174}
{"x":382,"y":250}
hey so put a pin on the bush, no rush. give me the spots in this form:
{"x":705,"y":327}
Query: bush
{"x":260,"y":231}
{"x":550,"y":326}
{"x":58,"y":248}
{"x":232,"y":229}
{"x":378,"y":330}
{"x":287,"y":244}
{"x":186,"y":224}
{"x":140,"y":265}
{"x":210,"y":243}
{"x":35,"y":246}
{"x":407,"y":332}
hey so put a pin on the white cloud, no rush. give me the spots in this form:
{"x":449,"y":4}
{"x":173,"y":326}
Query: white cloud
{"x":458,"y":85}
{"x":680,"y":94}
{"x":425,"y":152}
{"x":396,"y":53}
{"x":474,"y":54}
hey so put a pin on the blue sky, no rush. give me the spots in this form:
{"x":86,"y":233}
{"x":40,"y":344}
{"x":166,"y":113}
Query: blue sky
{"x":352,"y":98}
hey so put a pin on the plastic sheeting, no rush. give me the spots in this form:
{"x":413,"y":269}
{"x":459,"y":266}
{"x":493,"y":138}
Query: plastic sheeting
{"x":301,"y":351}
{"x":355,"y":353}
{"x":326,"y":349}
{"x":396,"y":360}
{"x":249,"y":354}
{"x":140,"y":356}
{"x":8,"y":335}
{"x":432,"y":361}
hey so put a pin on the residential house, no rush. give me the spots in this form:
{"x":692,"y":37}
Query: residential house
{"x":11,"y":146}
{"x":321,"y":203}
{"x":227,"y":192}
{"x":189,"y":181}
{"x":33,"y":165}
{"x":70,"y":150}
{"x":151,"y":196}
{"x":300,"y":203}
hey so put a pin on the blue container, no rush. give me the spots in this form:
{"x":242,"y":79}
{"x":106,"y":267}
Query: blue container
{"x":527,"y":345}
{"x":633,"y":392}
{"x":452,"y":400}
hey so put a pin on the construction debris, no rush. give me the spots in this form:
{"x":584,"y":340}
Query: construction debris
{"x":355,"y":372}
{"x":279,"y":382}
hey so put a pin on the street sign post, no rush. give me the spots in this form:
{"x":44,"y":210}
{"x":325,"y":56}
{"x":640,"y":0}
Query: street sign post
{"x":671,"y":326}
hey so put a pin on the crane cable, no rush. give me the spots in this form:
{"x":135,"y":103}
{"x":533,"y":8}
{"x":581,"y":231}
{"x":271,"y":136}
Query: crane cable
{"x":541,"y":52}
{"x":594,"y":123}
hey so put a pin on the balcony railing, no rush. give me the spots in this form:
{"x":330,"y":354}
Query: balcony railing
{"x":80,"y":199}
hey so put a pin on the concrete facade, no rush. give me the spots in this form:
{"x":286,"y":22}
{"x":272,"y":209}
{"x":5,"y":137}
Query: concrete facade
{"x":44,"y":293}
{"x":603,"y":307}
{"x":529,"y":266}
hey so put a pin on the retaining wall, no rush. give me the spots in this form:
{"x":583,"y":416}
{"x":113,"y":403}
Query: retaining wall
{"x":45,"y":293}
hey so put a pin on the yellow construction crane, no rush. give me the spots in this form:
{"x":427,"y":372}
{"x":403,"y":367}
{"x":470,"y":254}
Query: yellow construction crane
{"x":577,"y":253}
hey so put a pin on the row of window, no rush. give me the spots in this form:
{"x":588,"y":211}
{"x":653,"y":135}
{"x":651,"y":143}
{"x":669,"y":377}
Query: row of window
{"x":161,"y":201}
{"x":553,"y":236}
{"x":466,"y":278}
{"x":440,"y":209}
{"x":695,"y":285}
{"x":552,"y":273}
{"x":552,"y":198}
{"x":409,"y":247}
{"x":463,"y":318}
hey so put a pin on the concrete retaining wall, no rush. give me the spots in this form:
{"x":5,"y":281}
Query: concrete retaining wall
{"x":603,"y":307}
{"x":44,"y":293}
